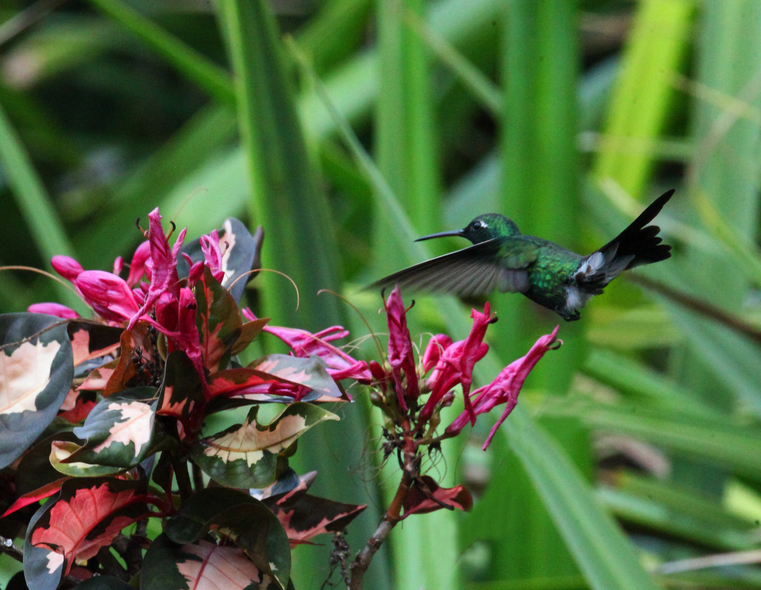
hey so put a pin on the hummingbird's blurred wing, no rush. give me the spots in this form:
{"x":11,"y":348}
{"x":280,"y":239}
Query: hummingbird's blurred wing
{"x":500,"y":263}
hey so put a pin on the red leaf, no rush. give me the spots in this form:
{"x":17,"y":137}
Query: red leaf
{"x":84,"y":519}
{"x":429,"y":497}
{"x":35,"y":496}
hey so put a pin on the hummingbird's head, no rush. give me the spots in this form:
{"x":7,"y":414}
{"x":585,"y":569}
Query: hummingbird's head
{"x":482,"y":228}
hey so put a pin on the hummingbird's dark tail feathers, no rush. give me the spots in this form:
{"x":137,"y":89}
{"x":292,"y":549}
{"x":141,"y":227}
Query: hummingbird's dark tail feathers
{"x":638,"y":244}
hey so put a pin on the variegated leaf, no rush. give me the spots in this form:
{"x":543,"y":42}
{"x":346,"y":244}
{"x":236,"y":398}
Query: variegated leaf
{"x":310,"y":516}
{"x":239,"y":381}
{"x":86,"y":515}
{"x":181,"y":391}
{"x":125,"y":369}
{"x":219,"y":323}
{"x":308,"y":372}
{"x":243,"y":519}
{"x":171,"y":566}
{"x":247,"y":455}
{"x":118,"y":430}
{"x":36,"y":371}
{"x":91,"y":340}
{"x":77,"y":405}
{"x":60,"y":459}
{"x":304,"y":516}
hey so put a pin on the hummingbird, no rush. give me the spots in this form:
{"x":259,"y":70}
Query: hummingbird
{"x":501,"y":257}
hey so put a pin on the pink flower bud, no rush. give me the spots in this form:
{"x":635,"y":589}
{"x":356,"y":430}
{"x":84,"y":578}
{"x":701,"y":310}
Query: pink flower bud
{"x":55,"y":309}
{"x":67,"y":267}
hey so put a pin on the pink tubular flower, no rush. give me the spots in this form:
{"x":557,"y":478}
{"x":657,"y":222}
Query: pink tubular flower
{"x":55,"y":309}
{"x":506,"y":387}
{"x":137,"y":267}
{"x":304,"y":344}
{"x":213,"y":254}
{"x":162,"y":266}
{"x":455,"y":364}
{"x":109,"y":295}
{"x":400,"y":352}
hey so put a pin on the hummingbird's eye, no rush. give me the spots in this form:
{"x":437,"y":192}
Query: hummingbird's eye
{"x":478,"y":225}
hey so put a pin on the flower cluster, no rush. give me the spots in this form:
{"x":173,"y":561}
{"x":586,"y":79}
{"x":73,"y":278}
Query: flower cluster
{"x":161,"y":301}
{"x":445,"y":365}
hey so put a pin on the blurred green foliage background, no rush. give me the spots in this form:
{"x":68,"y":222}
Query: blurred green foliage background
{"x":349,"y":127}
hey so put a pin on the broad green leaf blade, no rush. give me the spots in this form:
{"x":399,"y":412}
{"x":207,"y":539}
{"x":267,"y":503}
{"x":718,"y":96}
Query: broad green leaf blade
{"x":286,"y":198}
{"x":36,"y":369}
{"x":249,"y":455}
{"x":602,"y":552}
{"x":32,"y":198}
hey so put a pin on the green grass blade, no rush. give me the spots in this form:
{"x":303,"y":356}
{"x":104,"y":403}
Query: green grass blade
{"x":34,"y":202}
{"x":189,"y":62}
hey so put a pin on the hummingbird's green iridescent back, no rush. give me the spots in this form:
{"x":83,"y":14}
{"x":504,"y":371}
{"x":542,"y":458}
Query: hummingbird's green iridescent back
{"x":504,"y":259}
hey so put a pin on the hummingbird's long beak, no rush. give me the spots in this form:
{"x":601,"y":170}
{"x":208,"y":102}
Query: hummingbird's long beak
{"x":454,"y":232}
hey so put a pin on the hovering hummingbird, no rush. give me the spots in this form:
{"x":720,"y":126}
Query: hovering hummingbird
{"x":503,"y":258}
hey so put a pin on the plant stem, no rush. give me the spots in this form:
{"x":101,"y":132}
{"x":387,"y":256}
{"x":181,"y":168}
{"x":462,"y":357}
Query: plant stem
{"x":393,"y":514}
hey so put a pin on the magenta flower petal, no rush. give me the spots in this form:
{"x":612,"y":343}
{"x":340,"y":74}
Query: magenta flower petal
{"x":163,"y":265}
{"x":67,"y":267}
{"x":455,"y":364}
{"x":138,"y":264}
{"x":436,"y":347}
{"x":55,"y":309}
{"x":506,"y":387}
{"x":400,"y":351}
{"x":108,"y":295}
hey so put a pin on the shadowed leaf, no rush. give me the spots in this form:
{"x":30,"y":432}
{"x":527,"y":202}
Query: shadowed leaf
{"x":90,"y":340}
{"x":36,"y":370}
{"x":247,"y":521}
{"x":181,"y":391}
{"x":171,"y":566}
{"x":429,"y":497}
{"x":241,"y":253}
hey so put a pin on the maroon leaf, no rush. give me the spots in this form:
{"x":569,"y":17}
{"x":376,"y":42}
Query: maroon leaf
{"x":428,"y":497}
{"x":77,"y":406}
{"x":304,"y":516}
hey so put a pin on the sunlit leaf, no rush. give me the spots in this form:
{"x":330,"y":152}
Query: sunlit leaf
{"x":36,"y":370}
{"x":249,"y":455}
